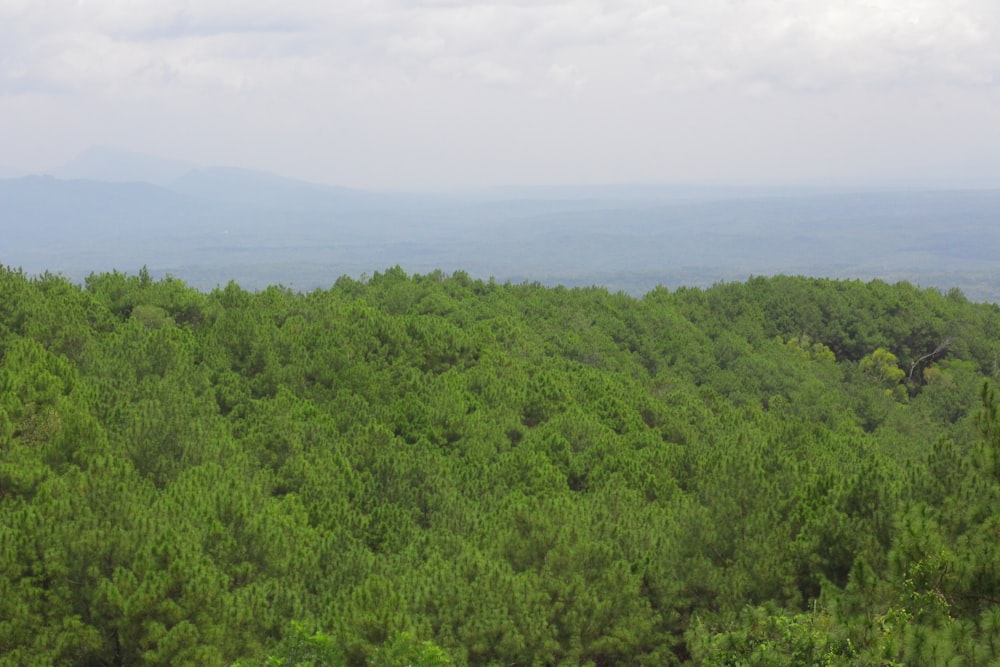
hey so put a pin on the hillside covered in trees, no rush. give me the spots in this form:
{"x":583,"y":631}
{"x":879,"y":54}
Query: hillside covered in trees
{"x":435,"y":470}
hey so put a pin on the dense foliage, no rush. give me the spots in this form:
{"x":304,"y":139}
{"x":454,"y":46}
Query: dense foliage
{"x":434,"y":470}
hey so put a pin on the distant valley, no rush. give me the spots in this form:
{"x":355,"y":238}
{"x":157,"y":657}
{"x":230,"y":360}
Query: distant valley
{"x":110,"y":209}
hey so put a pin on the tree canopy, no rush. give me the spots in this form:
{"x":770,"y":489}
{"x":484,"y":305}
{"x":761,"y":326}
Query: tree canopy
{"x":437,"y":470}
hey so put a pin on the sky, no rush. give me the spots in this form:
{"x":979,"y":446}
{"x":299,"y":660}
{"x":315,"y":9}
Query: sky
{"x":393,"y":94}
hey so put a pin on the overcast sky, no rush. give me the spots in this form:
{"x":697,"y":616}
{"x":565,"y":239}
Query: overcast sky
{"x":394,"y":94}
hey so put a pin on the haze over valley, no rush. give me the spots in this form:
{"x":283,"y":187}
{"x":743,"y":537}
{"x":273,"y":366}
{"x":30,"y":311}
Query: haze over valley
{"x":114,"y":210}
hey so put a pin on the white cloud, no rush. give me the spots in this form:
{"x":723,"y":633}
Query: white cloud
{"x":567,"y":75}
{"x":493,"y":73}
{"x":812,"y":45}
{"x":787,"y":44}
{"x":559,"y":77}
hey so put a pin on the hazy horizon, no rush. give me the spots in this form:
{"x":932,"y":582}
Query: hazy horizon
{"x":115,"y":164}
{"x":444,"y":94}
{"x":212,"y":226}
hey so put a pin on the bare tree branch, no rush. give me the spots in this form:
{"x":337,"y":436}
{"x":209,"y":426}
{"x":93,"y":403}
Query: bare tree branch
{"x":944,"y":345}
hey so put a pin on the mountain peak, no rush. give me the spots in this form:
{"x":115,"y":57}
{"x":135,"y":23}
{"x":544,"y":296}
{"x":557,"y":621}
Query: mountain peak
{"x":105,"y":163}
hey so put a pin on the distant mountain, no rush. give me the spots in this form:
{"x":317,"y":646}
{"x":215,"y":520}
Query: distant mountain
{"x":103,"y":163}
{"x":56,"y":210}
{"x":260,"y":189}
{"x":246,"y":188}
{"x":10,"y":172}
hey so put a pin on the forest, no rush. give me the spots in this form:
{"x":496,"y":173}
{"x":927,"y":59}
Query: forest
{"x":437,"y":470}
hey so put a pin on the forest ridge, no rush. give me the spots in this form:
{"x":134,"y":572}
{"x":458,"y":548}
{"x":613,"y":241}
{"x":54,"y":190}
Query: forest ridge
{"x":437,"y":470}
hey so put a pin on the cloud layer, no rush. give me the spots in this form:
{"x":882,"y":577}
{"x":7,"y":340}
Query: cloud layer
{"x":362,"y":61}
{"x":793,"y":44}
